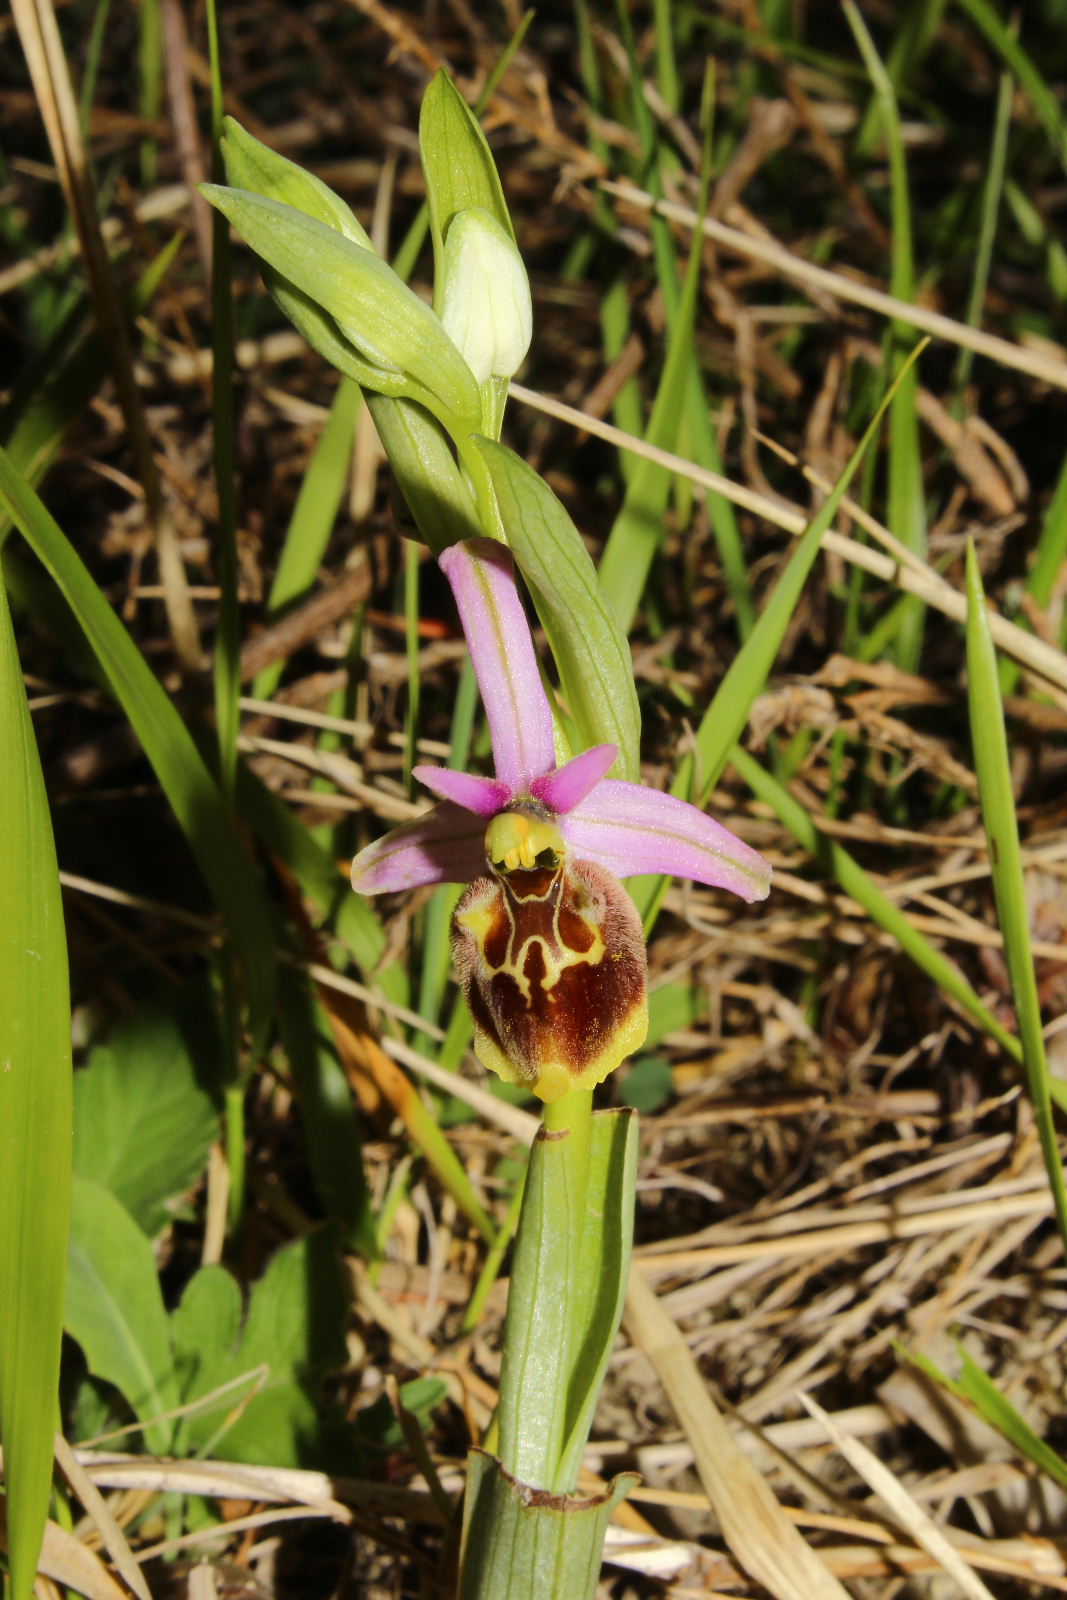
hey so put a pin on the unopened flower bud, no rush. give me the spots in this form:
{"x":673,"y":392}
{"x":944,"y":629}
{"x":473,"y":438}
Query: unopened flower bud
{"x":485,"y":305}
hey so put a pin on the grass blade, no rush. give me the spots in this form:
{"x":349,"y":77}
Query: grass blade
{"x":167,"y":743}
{"x":35,"y":1125}
{"x":993,"y":767}
{"x":907,"y":504}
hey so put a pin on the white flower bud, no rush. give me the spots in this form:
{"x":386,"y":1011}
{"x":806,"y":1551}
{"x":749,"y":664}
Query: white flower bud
{"x":485,"y":303}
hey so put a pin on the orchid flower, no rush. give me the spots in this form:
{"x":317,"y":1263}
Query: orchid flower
{"x":548,"y":945}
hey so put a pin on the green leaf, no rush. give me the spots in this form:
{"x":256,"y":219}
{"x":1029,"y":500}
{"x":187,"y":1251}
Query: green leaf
{"x":115,"y":1308}
{"x":35,"y":1117}
{"x":590,"y":650}
{"x":145,"y":1110}
{"x":293,"y":1334}
{"x":193,"y":796}
{"x":993,"y":767}
{"x":575,"y":1234}
{"x":372,"y":307}
{"x":517,"y":1544}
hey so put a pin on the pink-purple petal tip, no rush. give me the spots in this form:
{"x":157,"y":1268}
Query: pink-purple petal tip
{"x":563,"y":790}
{"x":632,"y":830}
{"x":482,"y":575}
{"x":446,"y":845}
{"x":484,"y":796}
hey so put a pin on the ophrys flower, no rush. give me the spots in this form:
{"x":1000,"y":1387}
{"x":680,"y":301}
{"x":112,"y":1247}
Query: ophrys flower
{"x":547,"y":943}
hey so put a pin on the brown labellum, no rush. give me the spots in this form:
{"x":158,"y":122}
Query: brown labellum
{"x":552,"y":963}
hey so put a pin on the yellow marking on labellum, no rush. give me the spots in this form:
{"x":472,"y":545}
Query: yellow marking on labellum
{"x":517,"y":841}
{"x":552,"y":961}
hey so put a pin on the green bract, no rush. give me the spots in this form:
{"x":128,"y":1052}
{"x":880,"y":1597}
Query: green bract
{"x":254,"y":166}
{"x":387,"y":323}
{"x":458,"y":167}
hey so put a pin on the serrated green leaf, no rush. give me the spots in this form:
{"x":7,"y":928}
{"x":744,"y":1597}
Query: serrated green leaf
{"x":372,"y":307}
{"x":35,"y":1116}
{"x":114,"y":1308}
{"x":592,"y":655}
{"x":293,"y":1334}
{"x":146,"y":1111}
{"x":167,"y":742}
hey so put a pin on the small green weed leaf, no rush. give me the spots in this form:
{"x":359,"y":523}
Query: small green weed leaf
{"x":146,"y":1109}
{"x":293,"y":1334}
{"x":648,"y":1084}
{"x":256,"y":168}
{"x":993,"y":768}
{"x":167,"y":742}
{"x":377,"y":1425}
{"x":457,"y":164}
{"x":35,"y":1146}
{"x":590,"y":650}
{"x":372,"y":307}
{"x":115,"y":1309}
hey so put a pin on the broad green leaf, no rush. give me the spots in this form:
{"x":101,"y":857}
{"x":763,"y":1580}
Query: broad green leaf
{"x":167,"y":743}
{"x":590,"y":650}
{"x":114,"y":1308}
{"x":146,"y":1108}
{"x":35,"y":1117}
{"x":372,"y":307}
{"x":993,"y":767}
{"x":575,"y":1235}
{"x":293,"y":1334}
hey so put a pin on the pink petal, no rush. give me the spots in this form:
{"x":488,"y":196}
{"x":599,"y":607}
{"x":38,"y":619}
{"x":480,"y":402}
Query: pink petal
{"x":446,"y":845}
{"x":482,"y":575}
{"x":631,"y":830}
{"x":563,"y":790}
{"x":484,"y":796}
